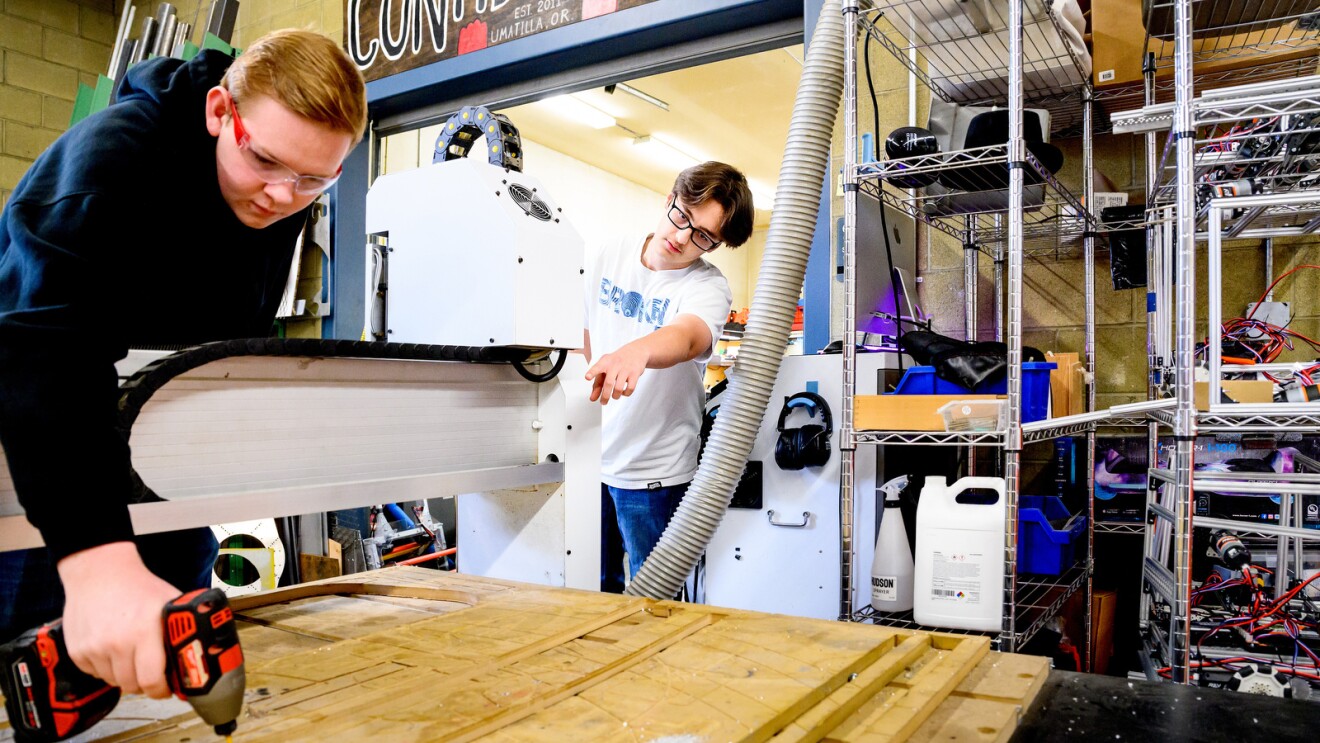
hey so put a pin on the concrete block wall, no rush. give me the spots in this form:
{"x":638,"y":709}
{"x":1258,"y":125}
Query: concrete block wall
{"x":46,"y":48}
{"x":257,"y":17}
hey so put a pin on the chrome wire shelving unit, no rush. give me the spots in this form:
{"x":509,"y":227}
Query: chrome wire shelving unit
{"x":969,"y":193}
{"x":1236,"y":163}
{"x":1227,"y":31}
{"x":1039,"y":599}
{"x":1001,"y":200}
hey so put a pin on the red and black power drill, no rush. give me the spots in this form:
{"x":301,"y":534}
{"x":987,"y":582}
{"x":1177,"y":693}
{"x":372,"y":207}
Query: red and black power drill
{"x":48,"y":698}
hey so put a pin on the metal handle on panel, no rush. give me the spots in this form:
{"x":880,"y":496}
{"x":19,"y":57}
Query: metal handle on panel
{"x":806,"y":519}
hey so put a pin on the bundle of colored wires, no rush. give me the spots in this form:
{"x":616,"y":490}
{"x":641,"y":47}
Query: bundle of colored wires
{"x":1246,"y":340}
{"x":1261,"y":622}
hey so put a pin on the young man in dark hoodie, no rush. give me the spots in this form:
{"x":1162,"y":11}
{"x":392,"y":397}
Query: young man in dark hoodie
{"x":168,"y":218}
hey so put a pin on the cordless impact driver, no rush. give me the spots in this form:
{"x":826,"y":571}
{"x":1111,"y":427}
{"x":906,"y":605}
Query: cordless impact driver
{"x":49,"y":699}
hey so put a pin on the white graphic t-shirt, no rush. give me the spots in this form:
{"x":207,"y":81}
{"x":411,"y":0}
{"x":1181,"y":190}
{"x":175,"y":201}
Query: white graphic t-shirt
{"x":653,"y":436}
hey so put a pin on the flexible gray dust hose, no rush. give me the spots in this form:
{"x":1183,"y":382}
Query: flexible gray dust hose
{"x":778,"y":286}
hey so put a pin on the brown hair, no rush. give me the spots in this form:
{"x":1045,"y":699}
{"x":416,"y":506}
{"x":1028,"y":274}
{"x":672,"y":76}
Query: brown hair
{"x":307,"y":73}
{"x":728,"y":187}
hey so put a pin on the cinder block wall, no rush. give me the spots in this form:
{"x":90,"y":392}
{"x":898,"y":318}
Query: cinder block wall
{"x":46,"y":48}
{"x":257,"y":17}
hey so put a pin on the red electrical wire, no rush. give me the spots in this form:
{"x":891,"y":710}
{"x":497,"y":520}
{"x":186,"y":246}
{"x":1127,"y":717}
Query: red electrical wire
{"x":427,"y":558}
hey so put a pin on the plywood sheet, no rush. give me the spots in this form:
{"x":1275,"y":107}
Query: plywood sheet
{"x":412,"y":654}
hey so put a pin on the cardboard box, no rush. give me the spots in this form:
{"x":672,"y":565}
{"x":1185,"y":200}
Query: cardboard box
{"x":1067,"y":384}
{"x":1243,"y":391}
{"x":1103,"y":612}
{"x":904,"y":412}
{"x":1118,"y":31}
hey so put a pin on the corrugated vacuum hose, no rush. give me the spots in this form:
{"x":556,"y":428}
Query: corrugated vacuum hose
{"x":779,"y":284}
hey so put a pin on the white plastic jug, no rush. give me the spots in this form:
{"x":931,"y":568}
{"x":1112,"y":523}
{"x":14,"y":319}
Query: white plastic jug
{"x":891,"y":570}
{"x":959,"y":571}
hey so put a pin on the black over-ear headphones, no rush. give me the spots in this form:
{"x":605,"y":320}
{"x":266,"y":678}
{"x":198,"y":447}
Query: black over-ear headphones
{"x":805,"y":446}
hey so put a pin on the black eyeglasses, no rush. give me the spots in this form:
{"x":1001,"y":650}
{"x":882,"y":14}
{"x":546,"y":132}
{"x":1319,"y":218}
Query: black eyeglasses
{"x":682,"y":221}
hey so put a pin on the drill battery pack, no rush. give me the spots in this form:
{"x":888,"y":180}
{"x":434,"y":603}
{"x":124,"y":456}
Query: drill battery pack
{"x":46,"y":696}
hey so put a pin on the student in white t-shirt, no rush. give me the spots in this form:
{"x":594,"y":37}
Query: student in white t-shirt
{"x":654,"y":310}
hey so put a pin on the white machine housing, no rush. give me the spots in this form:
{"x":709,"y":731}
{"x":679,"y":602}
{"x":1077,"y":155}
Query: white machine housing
{"x":478,"y":256}
{"x":784,"y":557}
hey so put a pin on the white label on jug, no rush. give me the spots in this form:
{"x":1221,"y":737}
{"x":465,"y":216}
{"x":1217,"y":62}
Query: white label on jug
{"x":956,"y":577}
{"x":884,"y":588}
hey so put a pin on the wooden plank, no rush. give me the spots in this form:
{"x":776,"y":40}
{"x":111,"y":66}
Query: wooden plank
{"x":831,"y":712}
{"x":530,"y":707}
{"x":916,"y":697}
{"x":1004,"y":677}
{"x":988,"y":704}
{"x":319,"y":567}
{"x":966,"y":719}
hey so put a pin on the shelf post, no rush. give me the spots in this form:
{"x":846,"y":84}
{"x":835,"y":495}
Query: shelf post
{"x":847,"y":438}
{"x":1088,"y":244}
{"x":1184,"y":133}
{"x":970,"y":269}
{"x":1013,"y":436}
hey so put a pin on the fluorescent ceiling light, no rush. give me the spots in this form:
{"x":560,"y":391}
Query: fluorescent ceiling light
{"x":630,"y":90}
{"x":574,"y":109}
{"x":665,"y":153}
{"x":763,"y":195}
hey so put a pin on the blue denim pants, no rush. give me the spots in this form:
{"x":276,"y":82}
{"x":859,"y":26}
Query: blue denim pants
{"x":632,"y":521}
{"x":31,"y":593}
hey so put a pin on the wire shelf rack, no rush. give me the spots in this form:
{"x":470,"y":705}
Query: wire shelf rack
{"x":1228,"y":30}
{"x":1119,"y":527}
{"x":931,"y":438}
{"x":1258,"y":422}
{"x":947,"y":189}
{"x":1039,"y":599}
{"x":1261,"y":138}
{"x":1127,"y":98}
{"x":962,"y":54}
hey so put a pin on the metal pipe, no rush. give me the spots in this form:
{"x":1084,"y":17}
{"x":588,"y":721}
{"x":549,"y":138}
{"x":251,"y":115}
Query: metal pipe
{"x":121,"y":35}
{"x":1269,"y":267}
{"x":182,"y":34}
{"x":146,"y":39}
{"x":999,"y":279}
{"x":165,"y":39}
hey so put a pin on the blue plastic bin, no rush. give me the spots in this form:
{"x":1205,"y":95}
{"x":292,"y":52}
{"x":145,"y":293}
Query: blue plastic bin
{"x":921,"y":380}
{"x":1042,"y":549}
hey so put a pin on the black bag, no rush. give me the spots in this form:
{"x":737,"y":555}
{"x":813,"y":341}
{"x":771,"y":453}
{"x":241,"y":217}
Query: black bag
{"x":1127,"y":248}
{"x":969,"y":365}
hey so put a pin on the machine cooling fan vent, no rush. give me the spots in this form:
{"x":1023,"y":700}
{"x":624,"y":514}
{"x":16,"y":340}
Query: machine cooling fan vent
{"x":529,"y":202}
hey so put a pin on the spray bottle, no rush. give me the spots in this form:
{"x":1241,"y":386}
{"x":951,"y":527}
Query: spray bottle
{"x":891,"y":570}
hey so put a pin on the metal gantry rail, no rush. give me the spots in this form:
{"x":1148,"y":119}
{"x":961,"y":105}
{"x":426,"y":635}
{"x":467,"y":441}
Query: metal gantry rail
{"x":997,"y":199}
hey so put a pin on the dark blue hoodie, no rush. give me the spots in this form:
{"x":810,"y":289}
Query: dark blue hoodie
{"x":118,"y":236}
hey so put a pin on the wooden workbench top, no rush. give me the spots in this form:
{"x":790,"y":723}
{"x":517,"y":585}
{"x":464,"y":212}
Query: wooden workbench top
{"x":408,"y":654}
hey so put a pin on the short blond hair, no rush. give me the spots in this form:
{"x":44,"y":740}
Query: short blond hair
{"x":307,"y":73}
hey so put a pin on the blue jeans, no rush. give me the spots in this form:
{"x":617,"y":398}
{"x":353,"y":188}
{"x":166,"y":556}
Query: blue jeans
{"x":632,"y":521}
{"x":31,"y":593}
